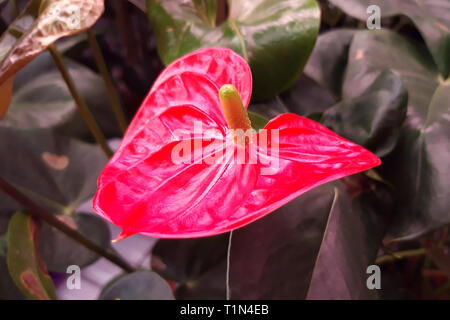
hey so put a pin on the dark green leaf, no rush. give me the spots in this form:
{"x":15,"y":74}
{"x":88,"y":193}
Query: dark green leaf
{"x":41,"y":99}
{"x":258,"y":121}
{"x":317,"y":246}
{"x":306,"y":97}
{"x":57,"y":172}
{"x":25,"y":267}
{"x":59,"y":251}
{"x":197,"y":265}
{"x":374,"y":119}
{"x":430,"y":16}
{"x":268,"y":109}
{"x":139,"y":285}
{"x":329,"y":59}
{"x":419,"y":166}
{"x":275,"y":36}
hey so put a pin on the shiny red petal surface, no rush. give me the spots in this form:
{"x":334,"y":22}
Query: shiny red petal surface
{"x":309,"y":155}
{"x":143,"y":190}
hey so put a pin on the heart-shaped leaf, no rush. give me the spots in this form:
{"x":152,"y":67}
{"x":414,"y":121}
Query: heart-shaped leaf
{"x":42,"y":100}
{"x":139,"y":285}
{"x":250,"y":29}
{"x":317,"y":247}
{"x":374,"y":119}
{"x":59,"y":251}
{"x":418,"y":167}
{"x":25,"y":267}
{"x":430,"y":17}
{"x":57,"y":172}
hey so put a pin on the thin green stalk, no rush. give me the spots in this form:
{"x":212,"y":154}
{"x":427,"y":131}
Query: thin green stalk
{"x":227,"y":281}
{"x":400,"y":255}
{"x":112,"y":93}
{"x":79,"y":101}
{"x":52,"y":220}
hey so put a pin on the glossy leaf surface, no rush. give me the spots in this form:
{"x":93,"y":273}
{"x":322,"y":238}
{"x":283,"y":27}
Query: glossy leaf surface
{"x":430,"y":17}
{"x":250,"y":30}
{"x":418,"y":167}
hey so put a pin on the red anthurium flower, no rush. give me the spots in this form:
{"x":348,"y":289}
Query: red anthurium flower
{"x":189,"y":166}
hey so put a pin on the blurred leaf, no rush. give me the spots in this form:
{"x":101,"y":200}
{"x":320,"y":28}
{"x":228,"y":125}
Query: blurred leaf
{"x":197,"y":265}
{"x":318,"y":246}
{"x":419,"y":166}
{"x":25,"y":267}
{"x":59,"y":251}
{"x":56,"y":172}
{"x":430,"y":16}
{"x":40,"y":25}
{"x":275,"y":37}
{"x":41,"y":99}
{"x":139,"y":285}
{"x":329,"y":59}
{"x":372,"y":120}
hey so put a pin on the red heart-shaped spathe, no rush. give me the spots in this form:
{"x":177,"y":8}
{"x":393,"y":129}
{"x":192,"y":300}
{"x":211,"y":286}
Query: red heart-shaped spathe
{"x":142,"y":190}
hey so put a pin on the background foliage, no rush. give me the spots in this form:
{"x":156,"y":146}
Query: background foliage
{"x":388,"y":90}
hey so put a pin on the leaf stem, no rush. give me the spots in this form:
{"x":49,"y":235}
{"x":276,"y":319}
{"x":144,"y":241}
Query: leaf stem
{"x":52,"y":220}
{"x":79,"y":101}
{"x":400,"y":255}
{"x":112,"y":93}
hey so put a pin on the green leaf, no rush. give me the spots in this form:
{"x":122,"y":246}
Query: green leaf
{"x":372,"y":120}
{"x":258,"y":121}
{"x":276,"y":37}
{"x":139,"y":285}
{"x":56,"y":172}
{"x":318,"y":246}
{"x":59,"y":251}
{"x":419,"y":166}
{"x":25,"y":267}
{"x":329,"y":59}
{"x":197,"y":265}
{"x":430,"y":17}
{"x":41,"y":99}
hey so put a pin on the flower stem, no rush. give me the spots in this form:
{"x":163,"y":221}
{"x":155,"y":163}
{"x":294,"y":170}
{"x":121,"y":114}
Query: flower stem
{"x":400,"y":255}
{"x":112,"y":93}
{"x":79,"y":101}
{"x":52,"y":220}
{"x":227,"y":281}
